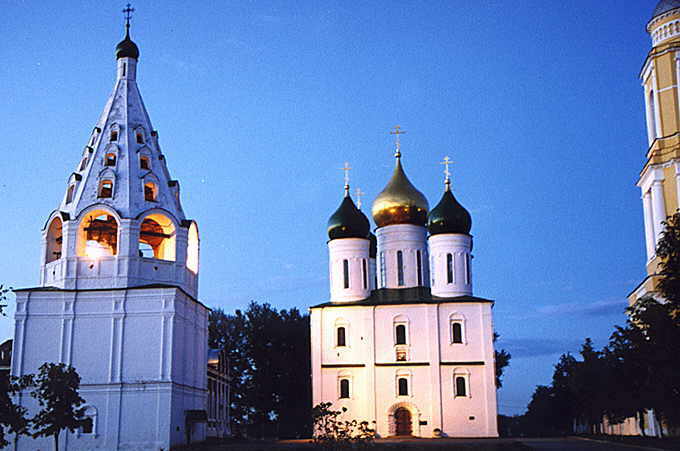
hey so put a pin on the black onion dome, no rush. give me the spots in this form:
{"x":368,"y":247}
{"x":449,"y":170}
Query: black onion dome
{"x":449,"y":216}
{"x":373,"y":247}
{"x":348,"y":221}
{"x":664,"y":6}
{"x":127,"y":48}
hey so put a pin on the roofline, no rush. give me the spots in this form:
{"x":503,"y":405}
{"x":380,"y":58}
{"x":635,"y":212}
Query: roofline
{"x":434,"y":301}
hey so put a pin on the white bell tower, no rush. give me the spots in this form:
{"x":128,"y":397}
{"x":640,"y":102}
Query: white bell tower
{"x":118,"y":287}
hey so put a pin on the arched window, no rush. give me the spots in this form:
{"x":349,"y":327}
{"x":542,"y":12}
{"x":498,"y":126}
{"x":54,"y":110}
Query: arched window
{"x":345,"y":273}
{"x":400,"y":334}
{"x":467,"y":269}
{"x":193,"y":247}
{"x":364,"y":273}
{"x":449,"y":268}
{"x":114,"y":133}
{"x":157,"y":238}
{"x":344,"y":388}
{"x":460,"y":386}
{"x":456,"y":332}
{"x":419,"y":267}
{"x":150,"y":191}
{"x":652,"y":115}
{"x":144,"y":162}
{"x":69,"y":193}
{"x":110,"y":159}
{"x":105,"y":189}
{"x":97,"y":235}
{"x":402,"y":384}
{"x":54,"y":239}
{"x":400,"y":268}
{"x":341,"y":337}
{"x":139,"y":134}
{"x":83,"y":163}
{"x":382,"y":269}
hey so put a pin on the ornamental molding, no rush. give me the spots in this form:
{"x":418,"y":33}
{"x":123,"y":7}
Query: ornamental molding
{"x":655,"y":20}
{"x":666,"y":31}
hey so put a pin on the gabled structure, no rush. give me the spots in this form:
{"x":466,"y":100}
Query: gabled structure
{"x":403,"y":341}
{"x":118,"y":288}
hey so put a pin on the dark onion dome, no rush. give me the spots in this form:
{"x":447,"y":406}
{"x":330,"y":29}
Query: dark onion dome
{"x":664,"y":6}
{"x":400,"y":202}
{"x":449,"y":216}
{"x":348,"y":221}
{"x":126,"y":48}
{"x":373,"y":248}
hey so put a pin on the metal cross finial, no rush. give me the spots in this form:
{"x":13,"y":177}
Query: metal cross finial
{"x":359,"y":193}
{"x":128,"y":15}
{"x":346,"y":168}
{"x":397,"y":131}
{"x":447,"y":161}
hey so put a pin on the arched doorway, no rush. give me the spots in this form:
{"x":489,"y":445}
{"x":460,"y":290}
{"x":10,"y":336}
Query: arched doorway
{"x":402,"y":420}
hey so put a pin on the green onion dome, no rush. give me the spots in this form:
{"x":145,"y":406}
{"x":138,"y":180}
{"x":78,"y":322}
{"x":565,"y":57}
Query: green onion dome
{"x":126,"y":48}
{"x":348,"y":221}
{"x":449,"y":216}
{"x":400,"y":202}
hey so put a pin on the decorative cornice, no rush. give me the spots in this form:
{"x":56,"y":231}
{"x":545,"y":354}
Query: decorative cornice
{"x":665,"y":31}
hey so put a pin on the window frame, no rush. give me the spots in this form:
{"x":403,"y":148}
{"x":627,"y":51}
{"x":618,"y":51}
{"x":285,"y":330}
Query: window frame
{"x":461,"y":373}
{"x":457,"y":318}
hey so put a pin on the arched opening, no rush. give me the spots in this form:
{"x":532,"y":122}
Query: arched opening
{"x":400,"y":268}
{"x":139,"y":136}
{"x":110,"y":159}
{"x":54,"y":239}
{"x":652,"y":115}
{"x":144,"y":162}
{"x":456,"y":332}
{"x":192,"y":248}
{"x":98,"y":235}
{"x":449,"y":268}
{"x":114,"y":133}
{"x":83,"y":163}
{"x":105,"y":189}
{"x":461,"y":386}
{"x":157,"y":238}
{"x":150,"y":191}
{"x":69,"y":193}
{"x":344,"y":388}
{"x":341,"y":338}
{"x":402,"y":420}
{"x":402,"y":386}
{"x":400,"y":334}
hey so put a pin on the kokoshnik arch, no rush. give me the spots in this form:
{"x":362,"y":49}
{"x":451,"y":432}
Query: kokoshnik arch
{"x":118,"y":288}
{"x":402,"y":340}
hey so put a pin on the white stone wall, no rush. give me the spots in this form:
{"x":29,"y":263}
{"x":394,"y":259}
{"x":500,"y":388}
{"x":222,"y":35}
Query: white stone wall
{"x":370,"y":362}
{"x":459,"y":247}
{"x":409,"y":239}
{"x":141,"y":355}
{"x":355,"y":252}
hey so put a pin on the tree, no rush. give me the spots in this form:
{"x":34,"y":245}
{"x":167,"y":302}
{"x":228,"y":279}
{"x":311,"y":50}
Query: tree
{"x":668,"y":250}
{"x":56,"y":389}
{"x":12,"y":416}
{"x":501,"y":359}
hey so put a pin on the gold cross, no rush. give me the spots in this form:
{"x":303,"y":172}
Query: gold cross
{"x":397,"y":131}
{"x":359,"y":193}
{"x":447,"y":161}
{"x":346,"y":168}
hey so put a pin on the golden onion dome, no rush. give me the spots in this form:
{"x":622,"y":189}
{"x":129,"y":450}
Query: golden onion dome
{"x":400,"y":202}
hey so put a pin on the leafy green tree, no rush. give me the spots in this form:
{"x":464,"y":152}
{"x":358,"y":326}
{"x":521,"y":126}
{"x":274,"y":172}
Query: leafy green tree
{"x":502,"y":360}
{"x":12,"y":416}
{"x":668,"y":250}
{"x":56,"y":389}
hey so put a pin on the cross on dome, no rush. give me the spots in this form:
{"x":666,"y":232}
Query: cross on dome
{"x":128,"y":15}
{"x":447,"y":173}
{"x":359,"y":193}
{"x":346,"y":168}
{"x":397,"y":131}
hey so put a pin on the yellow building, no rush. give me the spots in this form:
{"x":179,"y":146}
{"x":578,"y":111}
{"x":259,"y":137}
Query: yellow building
{"x":660,"y":177}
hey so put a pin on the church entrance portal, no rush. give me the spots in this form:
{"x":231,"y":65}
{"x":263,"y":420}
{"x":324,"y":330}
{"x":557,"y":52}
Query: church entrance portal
{"x":402,"y":418}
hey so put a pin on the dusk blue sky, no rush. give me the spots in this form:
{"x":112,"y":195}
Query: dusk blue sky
{"x":258,"y":104}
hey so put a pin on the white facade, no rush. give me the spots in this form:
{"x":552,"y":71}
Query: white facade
{"x":415,"y":360}
{"x":118,"y":286}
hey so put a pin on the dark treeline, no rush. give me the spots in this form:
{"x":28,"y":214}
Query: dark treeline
{"x":269,"y":354}
{"x":638,"y":370}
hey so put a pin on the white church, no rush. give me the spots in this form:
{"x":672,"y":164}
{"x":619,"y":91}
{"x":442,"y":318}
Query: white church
{"x":403,"y":341}
{"x":118,"y":289}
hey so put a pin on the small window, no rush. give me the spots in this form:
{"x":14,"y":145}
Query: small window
{"x":456,"y":332}
{"x":467,"y":269}
{"x":83,"y":164}
{"x":344,"y":388}
{"x":86,"y":426}
{"x":345,"y":273}
{"x":400,"y":334}
{"x":140,"y":137}
{"x":461,"y":388}
{"x":110,"y":159}
{"x":341,"y":337}
{"x":382,"y":270}
{"x":364,"y":273}
{"x":150,"y":191}
{"x":402,"y":382}
{"x":449,"y":268}
{"x":400,"y":268}
{"x":106,"y":189}
{"x":419,"y":267}
{"x":69,"y":193}
{"x":144,"y":162}
{"x":114,"y":135}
